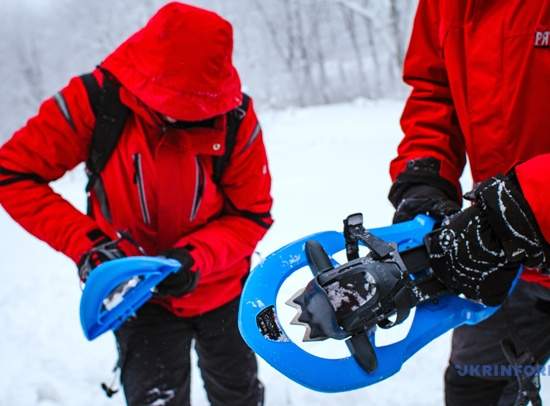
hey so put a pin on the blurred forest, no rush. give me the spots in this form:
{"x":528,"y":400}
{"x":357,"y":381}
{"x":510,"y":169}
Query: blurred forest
{"x":289,"y":52}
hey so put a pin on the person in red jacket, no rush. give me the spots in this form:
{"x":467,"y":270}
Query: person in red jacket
{"x":480,"y":89}
{"x":158,"y":196}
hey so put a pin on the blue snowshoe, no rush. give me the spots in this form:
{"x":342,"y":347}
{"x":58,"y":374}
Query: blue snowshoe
{"x":348,"y":302}
{"x":116,"y":289}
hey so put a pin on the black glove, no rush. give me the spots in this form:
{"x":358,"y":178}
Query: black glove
{"x":184,"y":280}
{"x":479,"y":250}
{"x":421,"y":190}
{"x":104,"y":250}
{"x":424,"y":199}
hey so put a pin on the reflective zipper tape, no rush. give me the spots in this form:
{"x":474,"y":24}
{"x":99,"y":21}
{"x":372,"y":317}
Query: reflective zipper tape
{"x":199,"y":186}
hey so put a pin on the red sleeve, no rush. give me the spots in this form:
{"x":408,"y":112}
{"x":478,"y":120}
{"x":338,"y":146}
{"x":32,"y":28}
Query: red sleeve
{"x":51,"y":143}
{"x":246,"y":183}
{"x":429,"y":120}
{"x":532,"y":176}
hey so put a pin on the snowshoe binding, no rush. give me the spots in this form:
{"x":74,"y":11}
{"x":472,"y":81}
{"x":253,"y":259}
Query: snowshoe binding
{"x":348,"y":302}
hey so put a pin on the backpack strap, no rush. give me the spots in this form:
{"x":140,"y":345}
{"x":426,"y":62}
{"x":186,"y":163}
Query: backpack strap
{"x":92,"y":90}
{"x":111,"y":117}
{"x":234,"y":120}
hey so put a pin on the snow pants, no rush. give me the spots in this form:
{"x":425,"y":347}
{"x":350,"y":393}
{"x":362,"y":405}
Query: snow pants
{"x":479,"y":373}
{"x":154,"y":350}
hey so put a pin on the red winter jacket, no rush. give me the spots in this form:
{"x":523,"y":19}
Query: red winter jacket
{"x":480,"y":77}
{"x":158,"y":181}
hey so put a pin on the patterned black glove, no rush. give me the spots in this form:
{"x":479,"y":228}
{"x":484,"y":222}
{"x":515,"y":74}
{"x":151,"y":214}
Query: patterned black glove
{"x":479,"y":250}
{"x":184,"y":280}
{"x":421,"y":190}
{"x":104,"y":250}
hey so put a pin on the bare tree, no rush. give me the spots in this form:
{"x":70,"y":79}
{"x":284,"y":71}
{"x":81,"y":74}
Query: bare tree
{"x":30,"y":66}
{"x":395,"y":23}
{"x":350,"y":24}
{"x":297,"y":52}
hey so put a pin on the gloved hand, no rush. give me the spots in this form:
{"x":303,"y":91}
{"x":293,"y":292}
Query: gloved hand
{"x":424,"y":199}
{"x":421,"y":190}
{"x":104,"y":250}
{"x":479,"y":250}
{"x":184,"y":280}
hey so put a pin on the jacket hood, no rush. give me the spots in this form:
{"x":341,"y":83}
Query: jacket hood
{"x":180,"y":64}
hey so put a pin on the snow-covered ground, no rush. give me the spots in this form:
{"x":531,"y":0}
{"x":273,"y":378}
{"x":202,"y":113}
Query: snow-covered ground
{"x":326,"y":162}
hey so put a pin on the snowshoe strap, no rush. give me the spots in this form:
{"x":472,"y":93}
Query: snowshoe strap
{"x":353,"y":226}
{"x":403,"y":302}
{"x":362,"y":350}
{"x":354,"y":231}
{"x":417,"y":264}
{"x":317,"y":258}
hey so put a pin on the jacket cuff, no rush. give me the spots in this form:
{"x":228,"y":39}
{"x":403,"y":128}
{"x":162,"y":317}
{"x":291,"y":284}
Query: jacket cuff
{"x":200,"y":263}
{"x":423,"y":171}
{"x":532,"y":177}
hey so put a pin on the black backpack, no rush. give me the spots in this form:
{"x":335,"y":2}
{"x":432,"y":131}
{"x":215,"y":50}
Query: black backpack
{"x":111,"y":115}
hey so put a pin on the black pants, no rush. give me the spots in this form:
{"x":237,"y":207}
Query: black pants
{"x":525,"y":319}
{"x":154,"y":350}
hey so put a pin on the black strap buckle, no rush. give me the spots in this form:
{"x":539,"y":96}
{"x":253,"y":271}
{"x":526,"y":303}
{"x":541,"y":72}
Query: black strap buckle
{"x":354,"y":231}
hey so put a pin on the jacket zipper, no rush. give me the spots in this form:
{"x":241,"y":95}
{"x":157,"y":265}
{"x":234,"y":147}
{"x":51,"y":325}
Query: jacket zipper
{"x":138,"y":181}
{"x":199,"y":189}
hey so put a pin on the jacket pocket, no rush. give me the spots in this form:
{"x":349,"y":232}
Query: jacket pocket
{"x":138,"y":181}
{"x":199,"y":190}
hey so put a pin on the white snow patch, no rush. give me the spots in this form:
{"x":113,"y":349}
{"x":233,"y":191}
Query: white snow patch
{"x":338,"y":294}
{"x":117,"y":296}
{"x":163,"y":396}
{"x":257,"y":304}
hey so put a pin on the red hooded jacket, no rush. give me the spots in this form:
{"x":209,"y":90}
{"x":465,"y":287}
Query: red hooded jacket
{"x":479,"y":72}
{"x":158,"y":181}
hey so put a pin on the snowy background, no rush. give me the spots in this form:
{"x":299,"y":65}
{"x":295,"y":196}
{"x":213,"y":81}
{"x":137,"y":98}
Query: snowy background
{"x":340,"y":58}
{"x":289,"y":52}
